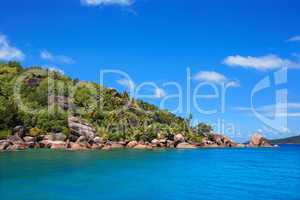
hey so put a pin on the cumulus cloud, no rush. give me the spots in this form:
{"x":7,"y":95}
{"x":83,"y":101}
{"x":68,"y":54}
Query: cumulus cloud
{"x":159,"y":92}
{"x":294,"y":39}
{"x":46,"y":55}
{"x":267,"y":62}
{"x":9,"y":52}
{"x":129,"y":84}
{"x":215,"y":77}
{"x":106,"y":2}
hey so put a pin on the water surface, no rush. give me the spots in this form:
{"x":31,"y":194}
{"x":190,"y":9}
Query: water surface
{"x":204,"y":174}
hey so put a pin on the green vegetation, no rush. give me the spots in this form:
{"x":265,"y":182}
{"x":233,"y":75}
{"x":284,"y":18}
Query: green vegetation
{"x":48,"y":98}
{"x":4,"y":134}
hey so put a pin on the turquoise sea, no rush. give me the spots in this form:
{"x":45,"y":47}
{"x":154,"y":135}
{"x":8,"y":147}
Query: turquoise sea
{"x":204,"y":174}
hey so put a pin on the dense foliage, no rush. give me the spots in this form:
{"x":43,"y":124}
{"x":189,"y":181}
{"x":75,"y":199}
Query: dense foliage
{"x":41,"y":100}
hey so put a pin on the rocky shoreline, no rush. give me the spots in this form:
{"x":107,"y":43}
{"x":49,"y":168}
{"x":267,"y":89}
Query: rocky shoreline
{"x":83,"y":137}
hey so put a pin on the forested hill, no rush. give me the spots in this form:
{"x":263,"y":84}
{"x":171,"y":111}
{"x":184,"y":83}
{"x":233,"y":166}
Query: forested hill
{"x":289,"y":140}
{"x":26,"y":97}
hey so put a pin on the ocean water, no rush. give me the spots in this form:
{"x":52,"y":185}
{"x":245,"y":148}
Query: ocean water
{"x":204,"y":174}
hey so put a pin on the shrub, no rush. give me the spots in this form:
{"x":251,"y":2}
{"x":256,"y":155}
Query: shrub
{"x":210,"y":137}
{"x":116,"y":136}
{"x":203,"y":129}
{"x":4,"y":134}
{"x":34,"y":132}
{"x":66,"y":131}
{"x":196,"y":138}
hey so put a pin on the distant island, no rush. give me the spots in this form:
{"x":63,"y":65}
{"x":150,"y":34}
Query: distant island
{"x":288,"y":140}
{"x":42,"y":108}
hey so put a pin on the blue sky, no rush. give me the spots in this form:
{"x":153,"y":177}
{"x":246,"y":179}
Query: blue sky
{"x":236,"y":42}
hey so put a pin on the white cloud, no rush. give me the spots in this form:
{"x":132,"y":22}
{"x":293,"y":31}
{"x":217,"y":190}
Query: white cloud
{"x":159,"y":93}
{"x":129,"y":84}
{"x":9,"y":52}
{"x":215,"y":77}
{"x":294,"y":39}
{"x":106,"y":2}
{"x":267,"y":62}
{"x":210,"y":76}
{"x":46,"y":55}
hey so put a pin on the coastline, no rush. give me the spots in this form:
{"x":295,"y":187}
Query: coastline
{"x":59,"y":142}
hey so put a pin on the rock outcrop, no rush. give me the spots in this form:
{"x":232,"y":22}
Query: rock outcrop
{"x":59,"y":137}
{"x":4,"y":144}
{"x":29,"y":139}
{"x":79,"y":127}
{"x":83,"y":137}
{"x":19,"y":131}
{"x":257,"y":140}
{"x":224,"y":141}
{"x":132,"y":144}
{"x":179,"y":138}
{"x":97,"y":140}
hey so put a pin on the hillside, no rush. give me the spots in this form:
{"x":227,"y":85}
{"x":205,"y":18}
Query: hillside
{"x":289,"y":140}
{"x":42,"y":101}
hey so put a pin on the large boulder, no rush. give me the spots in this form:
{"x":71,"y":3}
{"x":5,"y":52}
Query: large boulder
{"x":223,"y":140}
{"x":4,"y":144}
{"x":29,"y":139}
{"x":185,"y":145}
{"x":179,"y":138}
{"x":15,"y":139}
{"x":81,"y":139}
{"x":132,"y":144}
{"x":59,"y":137}
{"x":163,"y":142}
{"x":98,"y":140}
{"x":48,"y":137}
{"x":19,"y":131}
{"x":79,"y":127}
{"x":170,"y":144}
{"x":155,"y":143}
{"x":257,"y":140}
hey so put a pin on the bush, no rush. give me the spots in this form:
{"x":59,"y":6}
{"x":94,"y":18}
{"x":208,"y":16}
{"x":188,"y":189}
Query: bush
{"x":116,"y":136}
{"x":196,"y":138}
{"x":210,"y":137}
{"x":4,"y":134}
{"x":203,"y":129}
{"x":52,"y":122}
{"x":34,"y":132}
{"x":148,"y":137}
{"x":66,"y":131}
